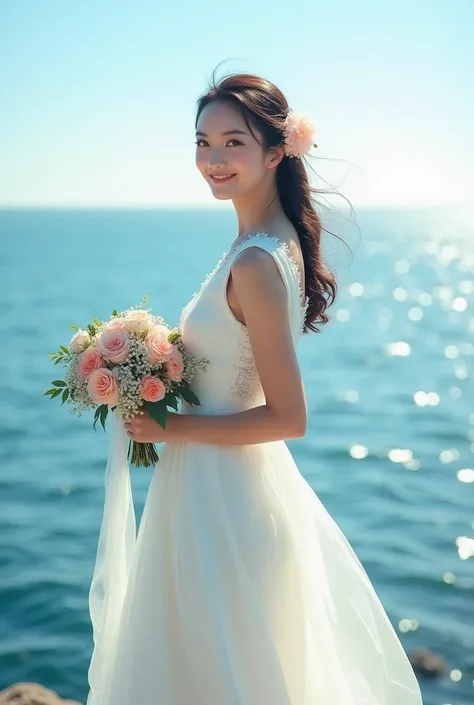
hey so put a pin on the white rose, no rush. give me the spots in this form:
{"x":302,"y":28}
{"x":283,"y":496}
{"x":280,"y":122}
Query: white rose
{"x":137,"y":321}
{"x":79,"y":341}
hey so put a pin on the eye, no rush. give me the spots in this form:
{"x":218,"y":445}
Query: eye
{"x":198,"y":142}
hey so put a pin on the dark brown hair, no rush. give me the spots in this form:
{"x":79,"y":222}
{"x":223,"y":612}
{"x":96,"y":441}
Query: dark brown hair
{"x":264,"y":105}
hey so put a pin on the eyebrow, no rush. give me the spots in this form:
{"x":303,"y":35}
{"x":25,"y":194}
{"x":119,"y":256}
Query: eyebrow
{"x":223,"y":134}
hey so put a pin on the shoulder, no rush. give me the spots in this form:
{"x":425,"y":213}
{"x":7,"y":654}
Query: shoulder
{"x":255,"y":273}
{"x":256,"y":254}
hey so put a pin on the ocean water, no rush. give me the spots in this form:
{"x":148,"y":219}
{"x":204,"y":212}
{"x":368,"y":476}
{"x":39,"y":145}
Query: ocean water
{"x":389,"y":446}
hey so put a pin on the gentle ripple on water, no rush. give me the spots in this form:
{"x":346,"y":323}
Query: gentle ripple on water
{"x":391,"y":421}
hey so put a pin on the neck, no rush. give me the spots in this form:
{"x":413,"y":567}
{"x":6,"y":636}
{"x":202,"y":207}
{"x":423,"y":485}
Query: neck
{"x":258,"y":210}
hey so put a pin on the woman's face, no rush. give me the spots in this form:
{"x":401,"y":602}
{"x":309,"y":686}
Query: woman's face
{"x":225,"y":147}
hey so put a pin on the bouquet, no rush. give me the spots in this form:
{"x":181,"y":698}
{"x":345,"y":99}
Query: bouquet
{"x":131,"y":362}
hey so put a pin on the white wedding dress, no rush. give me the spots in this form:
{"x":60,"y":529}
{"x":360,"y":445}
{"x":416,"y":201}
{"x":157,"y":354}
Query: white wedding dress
{"x":240,"y":589}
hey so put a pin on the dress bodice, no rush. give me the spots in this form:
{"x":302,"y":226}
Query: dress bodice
{"x":209,"y":329}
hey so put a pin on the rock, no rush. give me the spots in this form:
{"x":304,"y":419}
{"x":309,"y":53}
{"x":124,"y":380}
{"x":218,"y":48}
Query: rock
{"x":424,"y":662}
{"x":32,"y":694}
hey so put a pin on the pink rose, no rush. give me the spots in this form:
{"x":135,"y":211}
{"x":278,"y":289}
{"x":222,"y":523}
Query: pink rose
{"x":175,"y":366}
{"x":113,"y":345}
{"x":158,"y":347}
{"x":89,"y":361}
{"x":103,"y":387}
{"x":79,"y":341}
{"x":116,"y":323}
{"x":152,"y":388}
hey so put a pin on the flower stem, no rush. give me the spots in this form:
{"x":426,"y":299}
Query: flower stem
{"x":142,"y":454}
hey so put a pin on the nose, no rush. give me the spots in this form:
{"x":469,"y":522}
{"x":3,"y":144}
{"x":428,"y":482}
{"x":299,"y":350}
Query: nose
{"x":216,"y":159}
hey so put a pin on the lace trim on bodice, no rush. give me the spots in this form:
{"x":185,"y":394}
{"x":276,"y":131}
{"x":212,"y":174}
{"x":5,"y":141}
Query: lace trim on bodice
{"x":304,"y":300}
{"x":246,"y":383}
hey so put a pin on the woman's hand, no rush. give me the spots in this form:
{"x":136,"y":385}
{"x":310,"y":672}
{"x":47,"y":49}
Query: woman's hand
{"x":143,"y":429}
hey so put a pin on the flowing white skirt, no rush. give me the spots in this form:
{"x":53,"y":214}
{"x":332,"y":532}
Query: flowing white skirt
{"x":240,"y":589}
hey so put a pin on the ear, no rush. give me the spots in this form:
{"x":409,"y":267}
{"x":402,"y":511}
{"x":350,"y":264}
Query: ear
{"x":276,"y":155}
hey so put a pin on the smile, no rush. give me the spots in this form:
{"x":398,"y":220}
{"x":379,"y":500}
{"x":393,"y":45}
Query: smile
{"x":222,"y":179}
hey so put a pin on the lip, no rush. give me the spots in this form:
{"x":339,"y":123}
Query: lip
{"x":221,"y":181}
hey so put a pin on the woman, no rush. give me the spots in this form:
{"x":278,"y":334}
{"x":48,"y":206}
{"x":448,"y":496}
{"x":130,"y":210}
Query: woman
{"x":240,"y":589}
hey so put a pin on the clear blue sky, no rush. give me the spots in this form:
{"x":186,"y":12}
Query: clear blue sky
{"x":97,"y":99}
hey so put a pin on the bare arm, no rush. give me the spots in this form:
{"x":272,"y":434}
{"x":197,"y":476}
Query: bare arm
{"x":262,"y":298}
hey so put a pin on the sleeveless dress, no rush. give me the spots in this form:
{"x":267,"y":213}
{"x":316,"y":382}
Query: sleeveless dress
{"x":240,"y":589}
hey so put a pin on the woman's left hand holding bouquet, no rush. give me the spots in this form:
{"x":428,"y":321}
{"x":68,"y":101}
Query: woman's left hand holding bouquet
{"x":143,"y":429}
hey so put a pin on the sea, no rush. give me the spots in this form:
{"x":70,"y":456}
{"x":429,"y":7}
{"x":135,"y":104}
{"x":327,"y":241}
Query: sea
{"x":389,"y":446}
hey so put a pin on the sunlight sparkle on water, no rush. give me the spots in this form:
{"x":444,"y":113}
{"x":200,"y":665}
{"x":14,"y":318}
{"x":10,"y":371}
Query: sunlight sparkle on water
{"x":425,"y":299}
{"x":351,"y":396}
{"x":343,"y":315}
{"x":356,"y":289}
{"x":449,"y":253}
{"x":448,"y":456}
{"x":400,"y":349}
{"x":459,"y":304}
{"x":465,"y":547}
{"x":415,"y":314}
{"x":466,"y":475}
{"x":466,"y":287}
{"x":408,"y":625}
{"x":460,"y":369}
{"x":400,"y":294}
{"x":358,"y":451}
{"x":402,"y":266}
{"x":451,"y":352}
{"x":400,"y":455}
{"x":443,"y":293}
{"x":426,"y":398}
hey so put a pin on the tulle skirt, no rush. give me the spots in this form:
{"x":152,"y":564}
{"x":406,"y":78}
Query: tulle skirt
{"x":240,"y":589}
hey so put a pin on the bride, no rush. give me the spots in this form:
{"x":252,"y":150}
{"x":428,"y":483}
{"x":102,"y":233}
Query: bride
{"x":240,"y":589}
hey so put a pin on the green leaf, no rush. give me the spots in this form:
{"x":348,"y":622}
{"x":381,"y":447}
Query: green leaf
{"x":56,"y":393}
{"x":157,"y":411}
{"x":50,"y":391}
{"x":52,"y":355}
{"x":64,"y":349}
{"x":65,"y":395}
{"x":58,"y":360}
{"x":96,"y":322}
{"x":173,"y":337}
{"x":189,"y":396}
{"x":59,"y":383}
{"x":170,"y":400}
{"x":91,"y":329}
{"x":115,"y":312}
{"x":74,"y":327}
{"x":96,"y":417}
{"x":98,"y":414}
{"x":103,"y":415}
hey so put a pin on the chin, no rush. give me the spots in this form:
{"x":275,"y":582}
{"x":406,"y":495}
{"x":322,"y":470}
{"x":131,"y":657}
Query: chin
{"x":222,"y":196}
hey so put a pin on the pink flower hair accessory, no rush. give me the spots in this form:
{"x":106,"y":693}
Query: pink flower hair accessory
{"x":299,"y":135}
